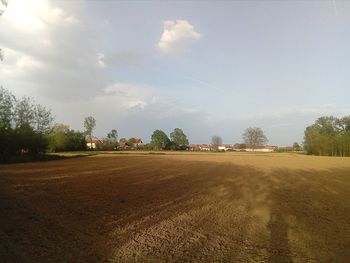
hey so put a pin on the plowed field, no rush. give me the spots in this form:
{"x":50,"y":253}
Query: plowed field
{"x":224,"y":207}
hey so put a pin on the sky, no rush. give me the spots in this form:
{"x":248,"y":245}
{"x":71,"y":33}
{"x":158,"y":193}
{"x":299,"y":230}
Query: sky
{"x":207,"y":67}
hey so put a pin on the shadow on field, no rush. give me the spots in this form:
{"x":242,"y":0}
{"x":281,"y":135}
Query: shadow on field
{"x":150,"y":208}
{"x":43,"y":158}
{"x":279,"y":250}
{"x":310,"y":215}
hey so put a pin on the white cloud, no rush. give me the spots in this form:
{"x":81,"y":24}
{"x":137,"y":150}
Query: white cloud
{"x":35,"y":15}
{"x":177,"y":36}
{"x":47,"y":51}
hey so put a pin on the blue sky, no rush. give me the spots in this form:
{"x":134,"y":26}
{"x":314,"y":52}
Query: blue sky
{"x":210,"y":67}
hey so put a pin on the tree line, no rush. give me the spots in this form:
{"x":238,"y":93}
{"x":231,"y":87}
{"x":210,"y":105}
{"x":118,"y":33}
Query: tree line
{"x":328,"y":136}
{"x":26,"y":129}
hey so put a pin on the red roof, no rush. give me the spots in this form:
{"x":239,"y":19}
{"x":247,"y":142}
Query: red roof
{"x":138,"y":140}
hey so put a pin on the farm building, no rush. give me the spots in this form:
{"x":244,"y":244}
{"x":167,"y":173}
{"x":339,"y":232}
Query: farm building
{"x":266,"y":148}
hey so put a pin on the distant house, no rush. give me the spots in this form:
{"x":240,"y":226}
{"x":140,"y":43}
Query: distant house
{"x":92,"y":144}
{"x":131,"y":144}
{"x":225,"y":147}
{"x":199,"y":147}
{"x":138,"y":143}
{"x":122,"y":145}
{"x":266,"y":148}
{"x":193,"y":147}
{"x":204,"y":147}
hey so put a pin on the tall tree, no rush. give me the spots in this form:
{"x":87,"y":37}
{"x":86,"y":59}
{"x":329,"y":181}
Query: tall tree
{"x":179,"y":138}
{"x":159,"y":140}
{"x":216,"y":141}
{"x":113,"y":135}
{"x":24,"y":126}
{"x":296,"y":146}
{"x":62,"y":138}
{"x":7,"y":101}
{"x":58,"y":139}
{"x":24,"y":112}
{"x":43,"y":119}
{"x":254,"y":137}
{"x":90,"y":124}
{"x":38,"y":117}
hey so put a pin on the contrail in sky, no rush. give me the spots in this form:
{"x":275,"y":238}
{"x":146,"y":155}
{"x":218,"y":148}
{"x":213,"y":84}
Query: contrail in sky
{"x":335,"y":8}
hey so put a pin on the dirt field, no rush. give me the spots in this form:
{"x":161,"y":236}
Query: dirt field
{"x":229,"y":207}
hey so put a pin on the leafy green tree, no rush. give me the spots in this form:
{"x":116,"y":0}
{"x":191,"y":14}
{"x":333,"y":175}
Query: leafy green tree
{"x":29,"y":141}
{"x":35,"y":115}
{"x":8,"y":145}
{"x":328,"y":136}
{"x":62,"y":138}
{"x":109,"y":143}
{"x":254,"y":137}
{"x":123,"y":140}
{"x":131,"y":142}
{"x":160,"y":140}
{"x":113,"y":135}
{"x":7,"y":101}
{"x":43,"y":119}
{"x":58,"y":139}
{"x":76,"y":141}
{"x":25,"y":112}
{"x":89,"y":124}
{"x":296,"y":146}
{"x":24,"y":126}
{"x":179,"y":139}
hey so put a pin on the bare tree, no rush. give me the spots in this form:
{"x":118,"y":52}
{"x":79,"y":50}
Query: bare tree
{"x":215,"y":141}
{"x":254,"y":136}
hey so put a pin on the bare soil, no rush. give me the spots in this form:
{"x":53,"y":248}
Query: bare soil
{"x":226,"y":207}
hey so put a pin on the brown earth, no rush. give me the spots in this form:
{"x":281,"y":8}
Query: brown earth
{"x":226,"y":207}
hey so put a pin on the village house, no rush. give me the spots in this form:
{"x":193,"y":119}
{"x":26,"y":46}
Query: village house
{"x":138,"y":142}
{"x":225,"y":147}
{"x":92,"y":144}
{"x":131,"y":144}
{"x":199,"y":147}
{"x":266,"y":148}
{"x":204,"y":147}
